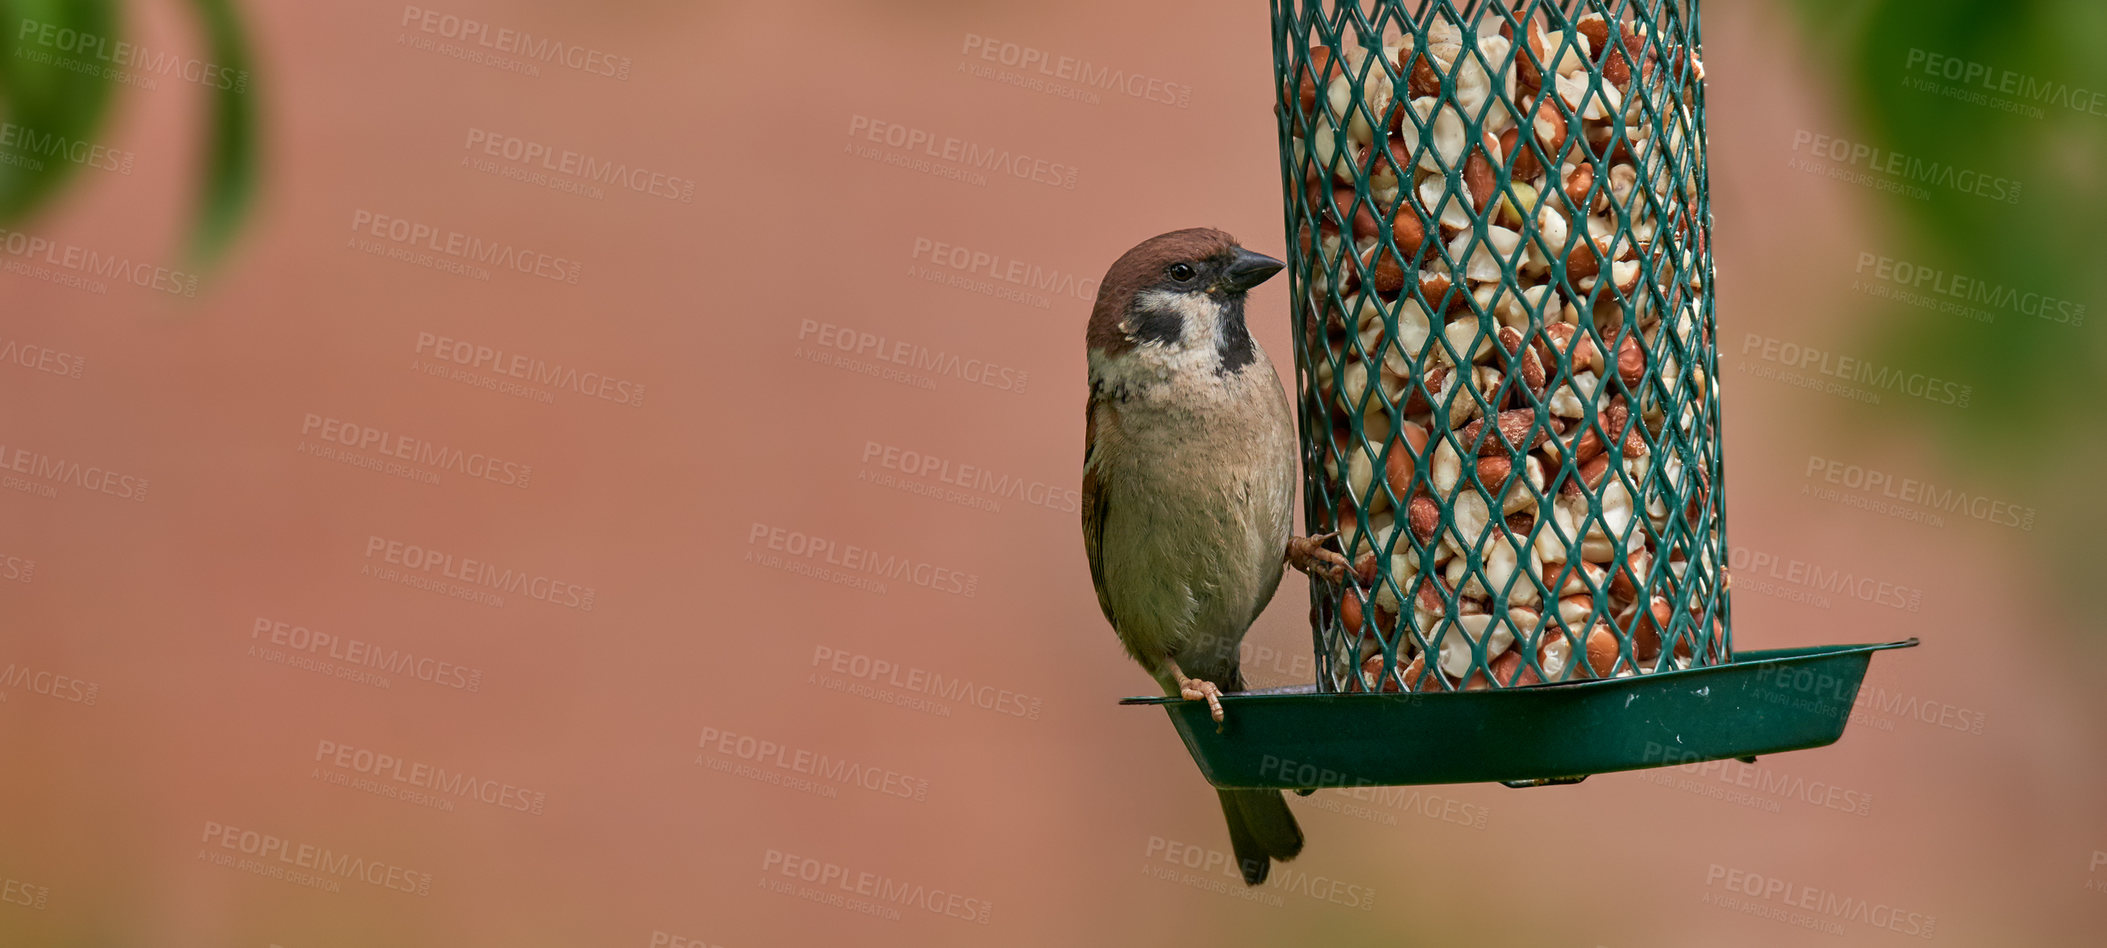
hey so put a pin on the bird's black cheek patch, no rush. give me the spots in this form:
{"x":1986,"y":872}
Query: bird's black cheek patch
{"x":1151,"y":325}
{"x":1234,"y":345}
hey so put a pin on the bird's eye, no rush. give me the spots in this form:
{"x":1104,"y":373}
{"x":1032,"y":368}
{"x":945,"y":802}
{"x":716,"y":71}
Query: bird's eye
{"x":1181,"y":272}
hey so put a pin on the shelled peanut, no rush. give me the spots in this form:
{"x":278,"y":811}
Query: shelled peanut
{"x":1506,"y":259}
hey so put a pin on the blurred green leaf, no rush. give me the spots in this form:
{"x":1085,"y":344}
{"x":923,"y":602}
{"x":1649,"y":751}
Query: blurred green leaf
{"x":231,"y":147}
{"x":41,"y":97}
{"x":55,"y":92}
{"x":2033,"y":428}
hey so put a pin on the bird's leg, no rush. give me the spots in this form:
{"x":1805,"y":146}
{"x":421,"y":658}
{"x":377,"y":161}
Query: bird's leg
{"x":1193,"y":689}
{"x":1309,"y":555}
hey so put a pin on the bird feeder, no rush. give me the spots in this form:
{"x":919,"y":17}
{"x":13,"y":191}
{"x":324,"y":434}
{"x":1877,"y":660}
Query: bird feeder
{"x":1506,"y":378}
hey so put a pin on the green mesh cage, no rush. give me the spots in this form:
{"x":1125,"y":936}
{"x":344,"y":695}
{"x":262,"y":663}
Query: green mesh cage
{"x":1504,"y":343}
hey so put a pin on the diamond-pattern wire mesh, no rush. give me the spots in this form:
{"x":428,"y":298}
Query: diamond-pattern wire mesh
{"x":1521,"y":235}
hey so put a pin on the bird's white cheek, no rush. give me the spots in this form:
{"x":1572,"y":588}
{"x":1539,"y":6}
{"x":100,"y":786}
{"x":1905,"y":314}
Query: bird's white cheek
{"x":1195,"y":351}
{"x":1200,"y":316}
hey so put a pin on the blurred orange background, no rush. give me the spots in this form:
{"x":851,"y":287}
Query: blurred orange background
{"x":679,"y":440}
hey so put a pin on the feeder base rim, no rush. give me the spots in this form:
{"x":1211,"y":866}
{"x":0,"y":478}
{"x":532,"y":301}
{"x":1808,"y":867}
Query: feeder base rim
{"x":1753,"y":657}
{"x":1761,"y":702}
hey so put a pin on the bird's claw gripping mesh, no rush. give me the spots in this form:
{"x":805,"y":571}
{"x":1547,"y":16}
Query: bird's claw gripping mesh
{"x":1498,"y":250}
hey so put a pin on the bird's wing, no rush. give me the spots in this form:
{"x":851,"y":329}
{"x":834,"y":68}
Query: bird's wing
{"x":1094,"y":507}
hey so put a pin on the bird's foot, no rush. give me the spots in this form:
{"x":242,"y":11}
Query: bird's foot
{"x":1309,"y":555}
{"x":1193,"y":689}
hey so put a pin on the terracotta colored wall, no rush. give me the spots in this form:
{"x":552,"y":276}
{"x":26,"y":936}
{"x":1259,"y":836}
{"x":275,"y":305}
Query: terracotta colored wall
{"x":656,"y":502}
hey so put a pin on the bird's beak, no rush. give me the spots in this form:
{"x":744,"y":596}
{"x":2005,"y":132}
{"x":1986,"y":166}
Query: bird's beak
{"x":1249,"y":270}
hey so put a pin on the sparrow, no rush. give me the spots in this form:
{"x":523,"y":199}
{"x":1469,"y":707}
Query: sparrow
{"x":1189,"y":482}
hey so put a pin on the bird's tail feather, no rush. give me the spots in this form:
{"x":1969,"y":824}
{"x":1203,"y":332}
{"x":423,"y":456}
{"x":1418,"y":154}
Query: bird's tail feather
{"x":1261,"y":829}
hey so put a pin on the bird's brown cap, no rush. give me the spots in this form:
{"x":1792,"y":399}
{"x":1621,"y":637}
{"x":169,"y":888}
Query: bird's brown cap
{"x":1141,"y":268}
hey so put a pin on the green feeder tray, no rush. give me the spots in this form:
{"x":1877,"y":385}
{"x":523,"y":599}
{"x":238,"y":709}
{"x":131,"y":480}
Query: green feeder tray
{"x":1762,"y":702}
